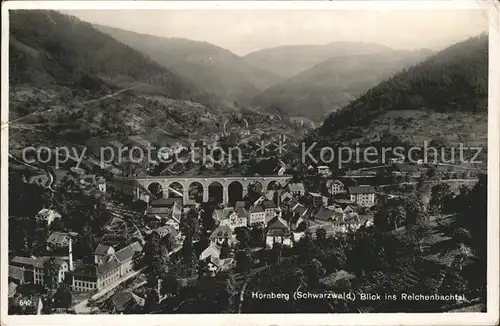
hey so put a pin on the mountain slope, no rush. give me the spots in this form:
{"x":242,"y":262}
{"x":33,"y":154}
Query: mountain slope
{"x":445,"y":97}
{"x":289,"y":60}
{"x":49,"y":47}
{"x":211,"y":68}
{"x":331,"y":84}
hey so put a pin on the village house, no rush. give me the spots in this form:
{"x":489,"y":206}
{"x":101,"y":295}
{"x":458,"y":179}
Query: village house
{"x":221,"y":234}
{"x":324,"y":171}
{"x":47,"y":215}
{"x":299,"y":210}
{"x":286,"y":198}
{"x":119,"y":302}
{"x":271,"y":209}
{"x":101,"y":184}
{"x":278,"y":232}
{"x":257,"y":215}
{"x":231,"y":217}
{"x":102,"y":251}
{"x":34,"y":268}
{"x":324,"y":214}
{"x":317,"y":200}
{"x":163,"y":230}
{"x":297,"y":223}
{"x":57,"y":240}
{"x":211,"y":255}
{"x":296,"y":189}
{"x":335,"y":187}
{"x":211,"y":250}
{"x":241,"y":218}
{"x":111,"y":269}
{"x":17,"y":275}
{"x":362,"y":195}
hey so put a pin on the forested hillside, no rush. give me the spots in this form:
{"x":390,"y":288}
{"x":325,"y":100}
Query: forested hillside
{"x":210,"y":67}
{"x":444,"y":96}
{"x":332,"y":84}
{"x":50,"y":48}
{"x":289,"y":60}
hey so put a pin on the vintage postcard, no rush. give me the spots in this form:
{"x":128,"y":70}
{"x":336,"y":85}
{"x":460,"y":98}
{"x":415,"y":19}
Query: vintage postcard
{"x":250,"y":163}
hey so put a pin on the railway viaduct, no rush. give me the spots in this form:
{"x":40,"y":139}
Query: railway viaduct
{"x":232,"y":186}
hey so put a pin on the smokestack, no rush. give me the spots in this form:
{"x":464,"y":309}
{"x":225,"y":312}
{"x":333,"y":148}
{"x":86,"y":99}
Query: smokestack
{"x":70,"y":254}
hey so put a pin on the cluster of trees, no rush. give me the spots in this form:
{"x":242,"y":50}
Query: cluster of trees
{"x":76,"y":49}
{"x":453,"y":79}
{"x":399,"y":212}
{"x":82,"y":212}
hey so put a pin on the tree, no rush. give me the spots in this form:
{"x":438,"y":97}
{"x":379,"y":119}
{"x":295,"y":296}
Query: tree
{"x":167,"y":242}
{"x":169,"y":284}
{"x":207,"y":219}
{"x":155,"y":259}
{"x":391,"y":215}
{"x":63,"y":297}
{"x":314,"y":270}
{"x":464,"y":253}
{"x":224,"y":250}
{"x":258,"y":236}
{"x":441,"y":195}
{"x":189,"y":224}
{"x":188,"y":254}
{"x":50,"y":274}
{"x":243,"y":261}
{"x":417,"y":234}
{"x":321,"y":235}
{"x":432,"y":174}
{"x":243,"y":237}
{"x":415,"y":211}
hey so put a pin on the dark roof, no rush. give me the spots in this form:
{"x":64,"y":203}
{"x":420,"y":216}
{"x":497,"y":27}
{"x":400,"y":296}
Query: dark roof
{"x":299,"y":208}
{"x":365,"y":218}
{"x":361,"y":190}
{"x":165,"y":202}
{"x":239,"y":203}
{"x":121,"y":299}
{"x":323,"y":214}
{"x":278,"y":232}
{"x":277,"y":223}
{"x":58,"y":237}
{"x":152,"y":211}
{"x":128,"y":252}
{"x":35,"y":262}
{"x":107,"y":267}
{"x":102,"y":249}
{"x":16,"y":273}
{"x":257,"y":209}
{"x":269,"y":204}
{"x":223,"y":214}
{"x":222,"y":231}
{"x":296,"y":187}
{"x":169,"y":228}
{"x":242,"y":212}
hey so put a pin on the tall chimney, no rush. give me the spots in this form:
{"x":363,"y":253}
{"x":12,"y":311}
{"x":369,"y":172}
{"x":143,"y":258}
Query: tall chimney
{"x":70,"y":254}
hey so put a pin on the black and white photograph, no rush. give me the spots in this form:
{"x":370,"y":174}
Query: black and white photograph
{"x":250,"y":158}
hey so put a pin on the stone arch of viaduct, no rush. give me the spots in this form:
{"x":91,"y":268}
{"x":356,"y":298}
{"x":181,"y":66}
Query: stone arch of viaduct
{"x":206,"y":182}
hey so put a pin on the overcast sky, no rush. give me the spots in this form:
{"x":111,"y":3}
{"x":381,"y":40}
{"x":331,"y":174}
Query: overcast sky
{"x":244,"y":31}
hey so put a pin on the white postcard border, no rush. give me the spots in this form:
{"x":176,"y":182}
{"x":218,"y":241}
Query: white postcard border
{"x":491,"y":10}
